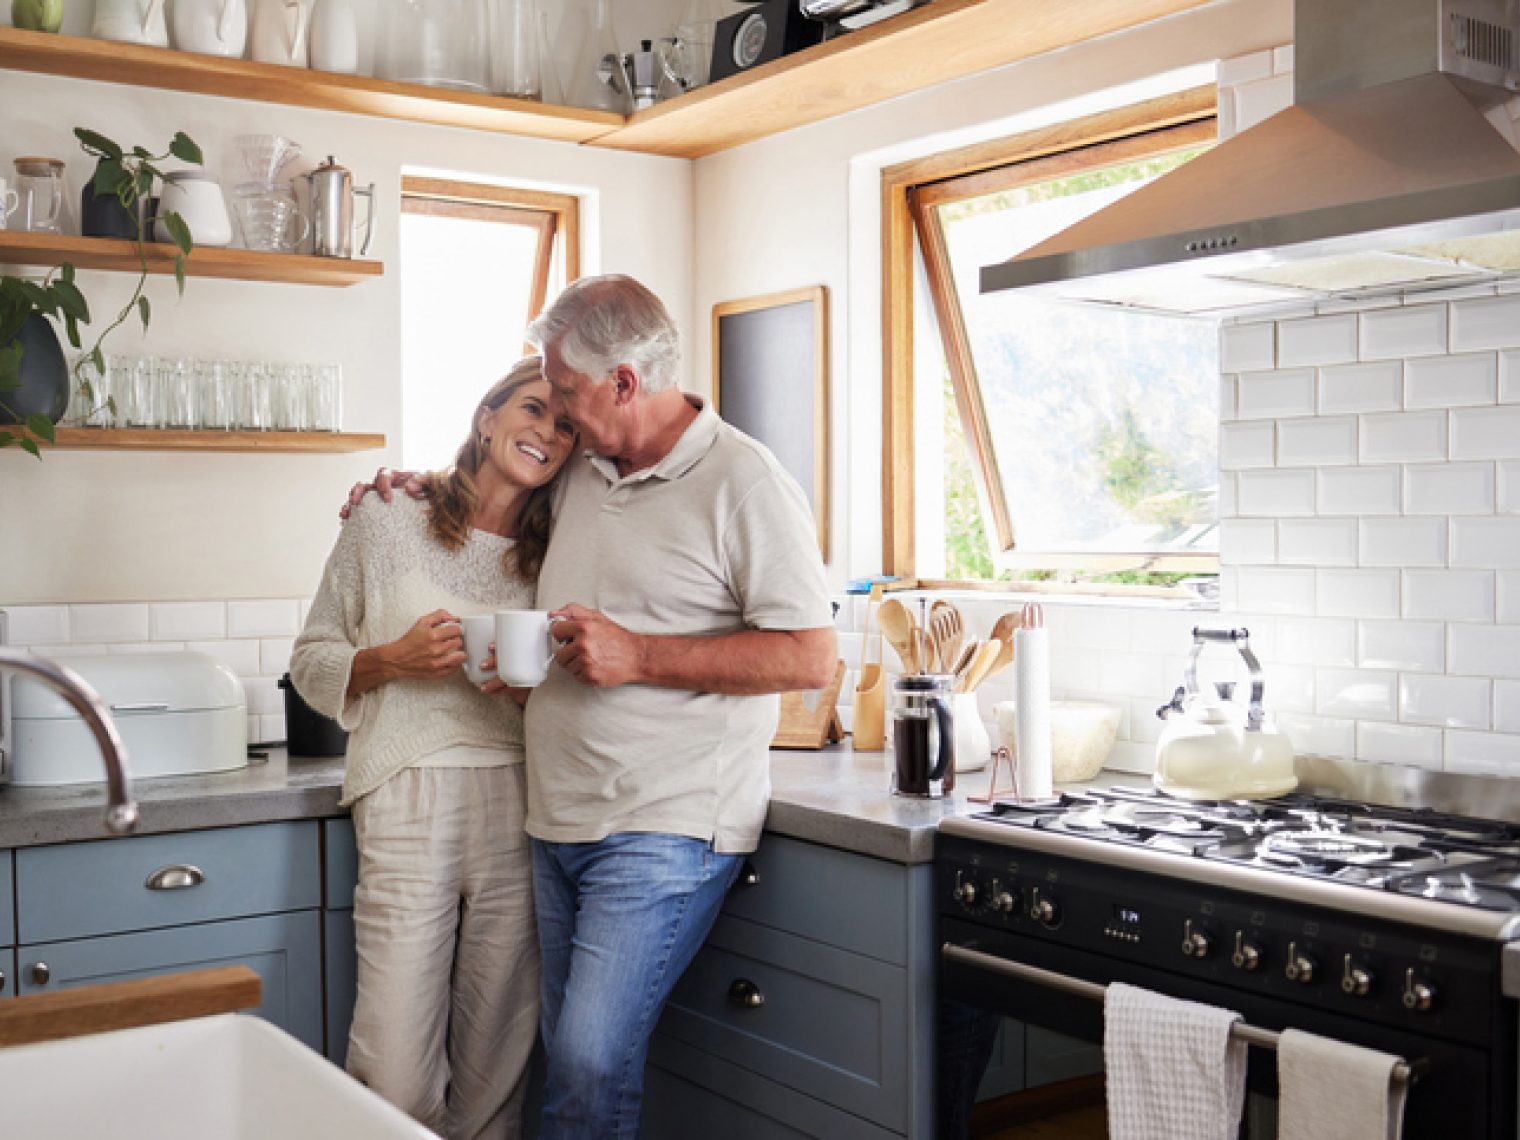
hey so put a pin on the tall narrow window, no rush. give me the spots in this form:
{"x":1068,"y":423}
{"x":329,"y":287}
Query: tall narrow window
{"x":1073,"y":438}
{"x":478,"y":263}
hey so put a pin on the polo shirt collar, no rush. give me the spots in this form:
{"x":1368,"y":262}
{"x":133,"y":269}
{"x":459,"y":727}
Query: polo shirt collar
{"x":695,"y":442}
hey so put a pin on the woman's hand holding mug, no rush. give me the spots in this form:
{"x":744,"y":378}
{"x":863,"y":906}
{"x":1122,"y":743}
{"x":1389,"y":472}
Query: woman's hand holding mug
{"x":433,"y":647}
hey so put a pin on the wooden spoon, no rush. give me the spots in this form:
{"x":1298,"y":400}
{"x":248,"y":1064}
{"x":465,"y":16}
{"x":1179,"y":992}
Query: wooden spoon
{"x":901,"y":631}
{"x":980,"y":666}
{"x":963,"y":662}
{"x":1002,"y":630}
{"x":948,"y":628}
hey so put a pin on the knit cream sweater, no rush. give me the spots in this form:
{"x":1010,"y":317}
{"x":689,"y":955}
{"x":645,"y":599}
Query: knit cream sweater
{"x":385,"y":572}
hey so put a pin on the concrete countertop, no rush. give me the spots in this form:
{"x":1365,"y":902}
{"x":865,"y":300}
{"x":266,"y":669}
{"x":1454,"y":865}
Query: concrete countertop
{"x":834,"y":797}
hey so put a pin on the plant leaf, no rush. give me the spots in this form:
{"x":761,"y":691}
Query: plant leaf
{"x":71,"y":300}
{"x":145,"y":311}
{"x":40,"y":426}
{"x":183,"y":147}
{"x":142,"y":152}
{"x":31,"y":446}
{"x":6,"y":439}
{"x":96,"y":143}
{"x":66,"y":273}
{"x":71,"y":330}
{"x":142,"y":183}
{"x":179,"y":231}
{"x":109,"y":176}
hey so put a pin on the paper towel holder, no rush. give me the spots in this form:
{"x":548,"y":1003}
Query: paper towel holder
{"x":1001,"y":755}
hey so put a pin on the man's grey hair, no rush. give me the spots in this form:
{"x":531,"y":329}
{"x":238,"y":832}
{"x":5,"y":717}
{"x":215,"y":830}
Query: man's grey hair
{"x":598,"y":323}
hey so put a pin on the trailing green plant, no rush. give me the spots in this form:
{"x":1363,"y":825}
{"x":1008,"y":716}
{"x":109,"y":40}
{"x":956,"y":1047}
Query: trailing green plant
{"x":128,"y":176}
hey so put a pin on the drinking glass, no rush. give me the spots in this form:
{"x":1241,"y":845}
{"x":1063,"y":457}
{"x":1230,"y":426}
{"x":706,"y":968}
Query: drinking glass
{"x":236,"y":373}
{"x":143,"y":407}
{"x":176,"y":390}
{"x":213,"y":404}
{"x":327,"y":396}
{"x":259,"y":389}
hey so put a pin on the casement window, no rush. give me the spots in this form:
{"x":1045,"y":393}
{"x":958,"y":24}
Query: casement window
{"x":478,"y":262}
{"x":1024,"y":434}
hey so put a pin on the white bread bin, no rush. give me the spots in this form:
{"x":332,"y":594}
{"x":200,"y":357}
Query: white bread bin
{"x":178,"y":714}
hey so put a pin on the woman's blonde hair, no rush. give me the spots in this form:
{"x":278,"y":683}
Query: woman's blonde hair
{"x":452,"y":495}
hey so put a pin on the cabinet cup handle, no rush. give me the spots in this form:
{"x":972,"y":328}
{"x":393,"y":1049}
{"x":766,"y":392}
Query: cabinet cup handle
{"x":175,"y":877}
{"x":745,"y":994}
{"x":41,"y":972}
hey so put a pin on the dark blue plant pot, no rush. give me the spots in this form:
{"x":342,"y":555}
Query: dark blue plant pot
{"x":103,"y":215}
{"x":44,"y":376}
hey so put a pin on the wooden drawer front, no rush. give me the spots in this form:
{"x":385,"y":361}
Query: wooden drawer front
{"x":340,"y":864}
{"x":81,"y":889}
{"x":283,"y":949}
{"x":7,"y":902}
{"x":691,"y":1095}
{"x":833,"y":1025}
{"x":847,"y":900}
{"x":340,"y":963}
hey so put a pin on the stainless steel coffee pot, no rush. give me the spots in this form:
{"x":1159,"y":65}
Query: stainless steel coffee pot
{"x":332,"y":211}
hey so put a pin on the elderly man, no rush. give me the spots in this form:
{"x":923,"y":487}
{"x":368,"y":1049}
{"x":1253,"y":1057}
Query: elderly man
{"x":687,"y":588}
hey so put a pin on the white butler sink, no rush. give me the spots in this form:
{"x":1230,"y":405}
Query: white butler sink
{"x":226,"y":1077}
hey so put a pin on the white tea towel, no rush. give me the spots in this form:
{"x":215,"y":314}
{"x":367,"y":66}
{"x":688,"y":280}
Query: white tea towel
{"x":1174,"y":1073}
{"x":1328,"y":1090}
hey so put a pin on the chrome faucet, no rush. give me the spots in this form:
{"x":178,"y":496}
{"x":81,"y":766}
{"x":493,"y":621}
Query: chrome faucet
{"x":121,"y":812}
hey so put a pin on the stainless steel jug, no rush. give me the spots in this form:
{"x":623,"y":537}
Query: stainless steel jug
{"x":332,"y":211}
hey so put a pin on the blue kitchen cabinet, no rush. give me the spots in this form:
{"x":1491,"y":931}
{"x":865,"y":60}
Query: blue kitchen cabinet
{"x":7,"y":929}
{"x":340,"y":873}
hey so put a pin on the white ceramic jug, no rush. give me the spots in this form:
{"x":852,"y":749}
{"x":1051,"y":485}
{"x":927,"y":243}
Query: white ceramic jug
{"x":131,"y":22}
{"x":334,"y":36}
{"x":279,"y":32}
{"x":197,"y":199}
{"x":210,"y":27}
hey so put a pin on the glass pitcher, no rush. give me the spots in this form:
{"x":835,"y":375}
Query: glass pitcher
{"x":922,"y":736}
{"x":39,"y":194}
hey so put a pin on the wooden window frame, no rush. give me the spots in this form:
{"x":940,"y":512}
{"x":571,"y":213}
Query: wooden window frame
{"x":907,"y":189}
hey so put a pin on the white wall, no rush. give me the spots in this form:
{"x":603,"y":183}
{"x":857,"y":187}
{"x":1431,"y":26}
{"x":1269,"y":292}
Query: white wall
{"x":112,"y":526}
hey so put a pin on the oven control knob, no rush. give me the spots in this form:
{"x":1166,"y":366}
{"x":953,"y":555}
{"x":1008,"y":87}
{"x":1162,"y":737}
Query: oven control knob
{"x":965,"y":891}
{"x":1356,"y":980}
{"x":1003,"y":901}
{"x":1300,"y":967}
{"x":1043,"y":910}
{"x":1195,"y":943}
{"x":1418,"y":996}
{"x":1247,"y":954}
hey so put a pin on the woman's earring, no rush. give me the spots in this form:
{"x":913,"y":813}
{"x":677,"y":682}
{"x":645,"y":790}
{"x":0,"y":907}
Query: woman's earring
{"x":485,"y":441}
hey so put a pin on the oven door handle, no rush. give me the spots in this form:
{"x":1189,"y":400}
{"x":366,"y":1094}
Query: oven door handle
{"x":1403,"y":1071}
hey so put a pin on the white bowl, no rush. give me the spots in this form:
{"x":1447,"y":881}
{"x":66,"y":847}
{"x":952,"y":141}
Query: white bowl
{"x":1081,"y":736}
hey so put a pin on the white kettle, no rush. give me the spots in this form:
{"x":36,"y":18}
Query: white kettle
{"x":1215,"y":748}
{"x":209,"y":27}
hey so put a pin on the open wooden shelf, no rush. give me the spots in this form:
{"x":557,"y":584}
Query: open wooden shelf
{"x":18,"y":247}
{"x":169,"y":439}
{"x":937,"y":42}
{"x":85,"y":58}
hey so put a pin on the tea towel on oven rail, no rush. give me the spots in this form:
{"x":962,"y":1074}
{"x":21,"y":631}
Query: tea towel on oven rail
{"x":1329,"y":1090}
{"x":1174,"y":1072}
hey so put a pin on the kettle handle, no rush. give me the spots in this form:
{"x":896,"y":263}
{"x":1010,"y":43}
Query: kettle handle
{"x":369,"y":217}
{"x":1241,"y":639}
{"x":946,"y":737}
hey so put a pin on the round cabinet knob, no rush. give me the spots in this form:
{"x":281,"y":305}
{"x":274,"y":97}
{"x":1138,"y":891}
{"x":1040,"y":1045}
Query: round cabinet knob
{"x":744,"y":993}
{"x":1043,"y":910}
{"x":1004,"y":901}
{"x":1300,"y":967}
{"x":1195,"y":943}
{"x":1418,"y":996}
{"x":40,"y":973}
{"x":1247,"y":954}
{"x":1356,"y":980}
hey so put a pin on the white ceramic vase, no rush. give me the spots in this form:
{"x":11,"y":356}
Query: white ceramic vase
{"x":131,"y":22}
{"x":334,"y":36}
{"x":973,"y":747}
{"x":279,"y":32}
{"x":210,"y":27}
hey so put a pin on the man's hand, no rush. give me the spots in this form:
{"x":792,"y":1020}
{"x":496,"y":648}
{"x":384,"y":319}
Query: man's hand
{"x":594,"y":649}
{"x":414,"y":483}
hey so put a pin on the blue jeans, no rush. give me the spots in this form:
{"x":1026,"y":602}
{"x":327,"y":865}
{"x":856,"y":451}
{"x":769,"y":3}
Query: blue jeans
{"x":618,"y":922}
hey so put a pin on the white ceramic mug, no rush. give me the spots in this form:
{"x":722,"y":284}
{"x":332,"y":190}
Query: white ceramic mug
{"x":9,"y":200}
{"x":478,"y":631}
{"x":524,"y":646}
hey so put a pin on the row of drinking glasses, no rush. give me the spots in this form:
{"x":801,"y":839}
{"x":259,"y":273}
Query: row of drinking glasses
{"x":219,"y":395}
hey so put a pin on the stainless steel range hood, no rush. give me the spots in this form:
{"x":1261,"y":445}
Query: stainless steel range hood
{"x":1386,"y":176}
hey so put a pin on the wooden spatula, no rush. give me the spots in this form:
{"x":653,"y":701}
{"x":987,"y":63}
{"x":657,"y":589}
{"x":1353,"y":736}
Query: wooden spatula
{"x":901,"y":631}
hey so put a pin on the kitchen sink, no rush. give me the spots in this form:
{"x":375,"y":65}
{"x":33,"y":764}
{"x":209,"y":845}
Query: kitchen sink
{"x":226,"y":1077}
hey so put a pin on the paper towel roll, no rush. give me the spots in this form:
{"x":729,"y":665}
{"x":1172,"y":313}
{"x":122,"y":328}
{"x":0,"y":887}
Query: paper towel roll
{"x":1031,"y":689}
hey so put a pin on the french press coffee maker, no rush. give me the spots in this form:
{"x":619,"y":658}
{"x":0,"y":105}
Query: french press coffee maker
{"x":922,"y":736}
{"x":332,"y":211}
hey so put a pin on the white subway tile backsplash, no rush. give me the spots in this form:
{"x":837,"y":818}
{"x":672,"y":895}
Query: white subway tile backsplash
{"x":1359,"y":491}
{"x":271,"y":728}
{"x":1229,"y":398}
{"x":1483,"y":753}
{"x":1449,"y":595}
{"x":1375,"y":387}
{"x":1414,"y":330}
{"x":1445,"y":702}
{"x":264,"y":695}
{"x":1399,"y":744}
{"x":109,"y":622}
{"x":1451,"y":381}
{"x":1320,"y":736}
{"x":1486,"y":433}
{"x":1271,"y":590}
{"x":1480,"y":542}
{"x":1483,"y":650}
{"x":144,"y":647}
{"x":1272,"y":395}
{"x":1409,"y":645}
{"x":1403,"y":542}
{"x":1358,"y":593}
{"x":1403,"y":437}
{"x":1485,"y":323}
{"x":1317,"y":542}
{"x":1319,"y":340}
{"x":1164,"y":631}
{"x":1509,"y":376}
{"x":1245,"y":542}
{"x":1247,"y":348}
{"x":37,"y":625}
{"x":73,"y":649}
{"x":1363,"y":694}
{"x":263,"y":618}
{"x":187,"y":621}
{"x":242,"y":657}
{"x":1507,"y":706}
{"x":1274,"y":493}
{"x":1128,"y":675}
{"x":1290,"y":688}
{"x":1324,"y":442}
{"x":1507,"y":600}
{"x":1315,"y":641}
{"x":1131,"y":756}
{"x":1072,"y":669}
{"x":1509,"y":487}
{"x":1245,"y":445}
{"x":1449,"y":489}
{"x":274,"y":655}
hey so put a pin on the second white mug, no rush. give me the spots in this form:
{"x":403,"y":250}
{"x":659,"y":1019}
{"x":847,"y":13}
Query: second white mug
{"x":478,"y":632}
{"x":9,"y":200}
{"x":524,"y":646}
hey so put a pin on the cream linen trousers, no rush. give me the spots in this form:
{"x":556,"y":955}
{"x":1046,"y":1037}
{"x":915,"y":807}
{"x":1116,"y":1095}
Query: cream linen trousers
{"x":446,"y":1012}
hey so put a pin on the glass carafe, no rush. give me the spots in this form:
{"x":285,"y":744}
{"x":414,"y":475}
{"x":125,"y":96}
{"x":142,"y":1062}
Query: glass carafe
{"x":441,"y":43}
{"x":516,"y":57}
{"x":921,"y":736}
{"x":598,"y":80}
{"x":39,"y":194}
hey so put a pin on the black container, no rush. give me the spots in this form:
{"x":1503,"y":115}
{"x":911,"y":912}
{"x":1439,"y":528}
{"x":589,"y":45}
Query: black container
{"x":44,"y":375}
{"x":308,"y":732}
{"x":103,"y":215}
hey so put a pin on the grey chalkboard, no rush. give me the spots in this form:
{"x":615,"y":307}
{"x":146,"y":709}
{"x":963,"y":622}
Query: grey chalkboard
{"x":770,"y":369}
